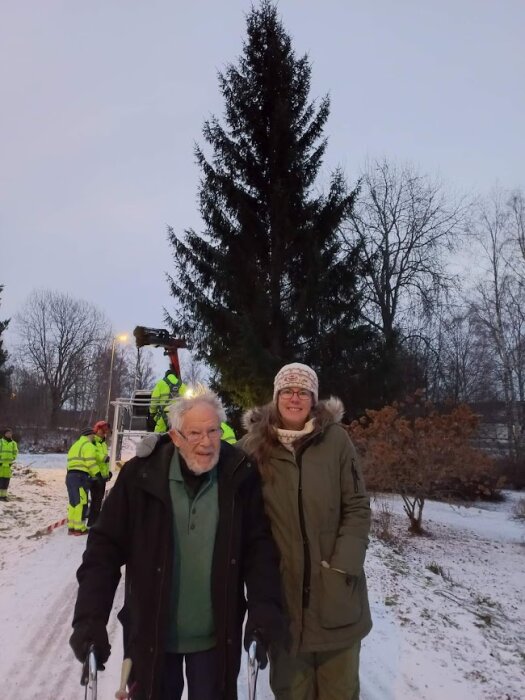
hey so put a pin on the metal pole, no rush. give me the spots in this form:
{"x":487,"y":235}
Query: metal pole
{"x":253,"y":670}
{"x":89,"y":675}
{"x":110,"y":377}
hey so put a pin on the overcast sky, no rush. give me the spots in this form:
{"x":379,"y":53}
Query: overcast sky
{"x":102,"y":102}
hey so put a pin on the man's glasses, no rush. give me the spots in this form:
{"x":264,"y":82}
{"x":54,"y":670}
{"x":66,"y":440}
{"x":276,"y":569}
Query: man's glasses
{"x":302,"y":394}
{"x":196,"y":436}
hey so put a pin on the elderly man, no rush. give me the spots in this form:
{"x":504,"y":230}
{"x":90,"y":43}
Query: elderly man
{"x":189,"y":525}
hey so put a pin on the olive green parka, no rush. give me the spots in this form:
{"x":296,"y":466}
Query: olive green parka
{"x":319,"y":512}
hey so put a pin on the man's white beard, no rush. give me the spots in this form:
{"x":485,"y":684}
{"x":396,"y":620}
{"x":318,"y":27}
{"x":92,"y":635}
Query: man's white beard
{"x":197,"y":468}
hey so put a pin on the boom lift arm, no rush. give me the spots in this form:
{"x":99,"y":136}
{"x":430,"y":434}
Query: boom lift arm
{"x":161,"y":338}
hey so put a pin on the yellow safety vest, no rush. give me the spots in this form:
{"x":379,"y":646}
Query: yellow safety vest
{"x":165,"y":391}
{"x":101,"y":449}
{"x":8,"y":452}
{"x":227,"y":434}
{"x":82,"y":457}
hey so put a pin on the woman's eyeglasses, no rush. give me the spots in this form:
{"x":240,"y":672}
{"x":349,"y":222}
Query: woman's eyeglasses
{"x":302,"y":394}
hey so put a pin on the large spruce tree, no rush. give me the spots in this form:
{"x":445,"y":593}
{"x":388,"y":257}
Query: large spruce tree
{"x":264,"y":283}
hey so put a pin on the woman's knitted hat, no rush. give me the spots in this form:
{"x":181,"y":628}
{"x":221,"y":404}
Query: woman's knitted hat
{"x":296,"y":374}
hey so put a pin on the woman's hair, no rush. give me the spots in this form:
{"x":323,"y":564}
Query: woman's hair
{"x":259,"y":442}
{"x":263,"y":437}
{"x":182,"y":405}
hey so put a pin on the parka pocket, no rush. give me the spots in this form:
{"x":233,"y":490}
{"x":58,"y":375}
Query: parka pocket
{"x":340,"y":602}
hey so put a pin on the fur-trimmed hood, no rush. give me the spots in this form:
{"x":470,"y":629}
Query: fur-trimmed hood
{"x":261,"y":423}
{"x":324,"y":412}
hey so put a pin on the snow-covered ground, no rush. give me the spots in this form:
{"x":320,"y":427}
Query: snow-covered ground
{"x":448,"y":609}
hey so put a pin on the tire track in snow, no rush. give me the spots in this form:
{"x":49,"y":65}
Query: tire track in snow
{"x":49,"y":643}
{"x":41,"y":662}
{"x":36,"y":624}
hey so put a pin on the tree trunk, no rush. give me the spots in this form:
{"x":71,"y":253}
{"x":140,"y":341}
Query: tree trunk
{"x":55,"y":409}
{"x":413,"y":507}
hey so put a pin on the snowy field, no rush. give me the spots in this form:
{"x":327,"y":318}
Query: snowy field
{"x":448,"y":609}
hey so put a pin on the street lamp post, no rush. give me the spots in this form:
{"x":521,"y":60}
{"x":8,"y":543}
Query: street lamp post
{"x":121,"y":339}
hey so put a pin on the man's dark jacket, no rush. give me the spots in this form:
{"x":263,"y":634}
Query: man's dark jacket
{"x":135,"y":528}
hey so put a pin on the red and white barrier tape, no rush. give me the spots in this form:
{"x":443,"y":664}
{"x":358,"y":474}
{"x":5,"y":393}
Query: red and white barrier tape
{"x":59,"y":523}
{"x":49,"y":528}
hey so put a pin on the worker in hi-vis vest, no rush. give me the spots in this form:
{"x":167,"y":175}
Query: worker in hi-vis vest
{"x":82,"y":467}
{"x":228,"y":434}
{"x":165,"y":391}
{"x":8,"y":454}
{"x":102,"y":431}
{"x":168,"y":389}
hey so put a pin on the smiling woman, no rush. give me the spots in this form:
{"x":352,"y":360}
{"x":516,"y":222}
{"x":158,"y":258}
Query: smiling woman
{"x":315,"y":498}
{"x":296,"y":390}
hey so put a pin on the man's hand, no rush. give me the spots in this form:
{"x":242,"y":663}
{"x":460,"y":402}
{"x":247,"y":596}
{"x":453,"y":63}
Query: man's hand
{"x":109,"y":476}
{"x":87,"y":633}
{"x":261,"y":650}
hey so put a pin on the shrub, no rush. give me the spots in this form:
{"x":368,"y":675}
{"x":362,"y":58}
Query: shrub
{"x":418,"y":452}
{"x":383,"y":522}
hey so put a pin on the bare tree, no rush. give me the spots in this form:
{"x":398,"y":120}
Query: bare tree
{"x":193,"y":371}
{"x":96,"y":378}
{"x":405,"y":225}
{"x":500,"y":301}
{"x":515,"y":323}
{"x":144,"y":375}
{"x":516,"y":206}
{"x":463,"y":368}
{"x":58,"y":337}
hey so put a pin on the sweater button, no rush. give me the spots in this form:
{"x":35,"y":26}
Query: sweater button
{"x":192,"y":526}
{"x":228,"y":641}
{"x":234,"y":561}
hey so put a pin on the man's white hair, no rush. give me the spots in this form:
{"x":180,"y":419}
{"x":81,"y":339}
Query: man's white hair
{"x":194,"y":397}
